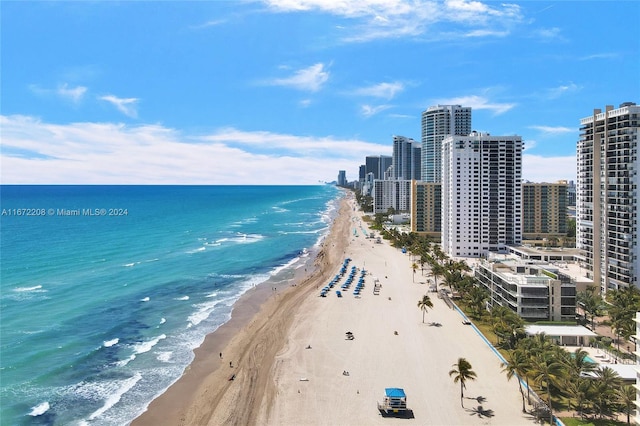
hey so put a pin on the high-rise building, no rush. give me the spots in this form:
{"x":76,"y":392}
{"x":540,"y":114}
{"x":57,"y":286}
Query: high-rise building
{"x":342,"y":178}
{"x":606,"y":195}
{"x":437,"y":123}
{"x":394,"y":194}
{"x":544,"y":210}
{"x":426,"y":208}
{"x":406,"y":159}
{"x":378,"y":165}
{"x":481,"y":194}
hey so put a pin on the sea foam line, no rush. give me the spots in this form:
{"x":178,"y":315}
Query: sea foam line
{"x":114,"y":398}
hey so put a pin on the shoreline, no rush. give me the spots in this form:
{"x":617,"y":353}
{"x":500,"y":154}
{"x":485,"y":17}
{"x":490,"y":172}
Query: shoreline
{"x":249,"y":340}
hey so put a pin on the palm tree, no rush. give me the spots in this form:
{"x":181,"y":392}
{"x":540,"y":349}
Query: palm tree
{"x":580,"y":391}
{"x":516,"y":366}
{"x":606,"y":383}
{"x":627,"y":399}
{"x":461,"y":373}
{"x":425,"y":304}
{"x":414,"y":266}
{"x":548,"y":370}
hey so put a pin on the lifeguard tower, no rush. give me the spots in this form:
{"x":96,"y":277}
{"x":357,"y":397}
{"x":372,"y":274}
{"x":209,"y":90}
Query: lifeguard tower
{"x":395,"y":401}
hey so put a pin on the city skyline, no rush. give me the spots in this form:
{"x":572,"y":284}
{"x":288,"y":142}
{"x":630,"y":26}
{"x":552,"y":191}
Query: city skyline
{"x":291,"y":91}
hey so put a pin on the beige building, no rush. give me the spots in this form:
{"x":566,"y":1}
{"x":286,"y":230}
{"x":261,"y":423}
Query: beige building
{"x":426,"y":208}
{"x":544,"y":210}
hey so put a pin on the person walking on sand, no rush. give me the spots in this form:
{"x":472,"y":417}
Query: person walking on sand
{"x":220,"y":355}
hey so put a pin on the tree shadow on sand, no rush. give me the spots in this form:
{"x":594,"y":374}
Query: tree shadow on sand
{"x":480,"y":411}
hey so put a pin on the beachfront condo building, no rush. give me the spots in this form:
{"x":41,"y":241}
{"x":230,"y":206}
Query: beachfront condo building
{"x":544,"y":211}
{"x":406,"y":158}
{"x":395,"y":194}
{"x":426,"y":208}
{"x":342,"y":178}
{"x":536,"y":291}
{"x":607,"y":195}
{"x":378,"y":165}
{"x":438,"y":122}
{"x":481,"y":194}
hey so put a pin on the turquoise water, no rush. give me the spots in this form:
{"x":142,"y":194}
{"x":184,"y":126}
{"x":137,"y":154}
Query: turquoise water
{"x":106,"y":290}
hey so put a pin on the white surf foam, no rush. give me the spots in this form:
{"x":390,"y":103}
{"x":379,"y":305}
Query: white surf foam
{"x":146,"y":299}
{"x":109,"y":343}
{"x":39,"y":409}
{"x":182,"y":298}
{"x":114,"y":398}
{"x":143,"y":347}
{"x":28,"y":289}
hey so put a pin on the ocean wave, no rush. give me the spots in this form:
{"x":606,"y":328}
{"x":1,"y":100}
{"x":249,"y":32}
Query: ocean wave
{"x":163,"y":320}
{"x":143,"y":347}
{"x":182,"y":298}
{"x":109,"y":343}
{"x":247,"y":238}
{"x":118,"y":389}
{"x":164,"y":356}
{"x":279,"y":209}
{"x":285,"y":266}
{"x":39,"y":409}
{"x":33,"y":289}
{"x":199,"y":249}
{"x":145,"y":299}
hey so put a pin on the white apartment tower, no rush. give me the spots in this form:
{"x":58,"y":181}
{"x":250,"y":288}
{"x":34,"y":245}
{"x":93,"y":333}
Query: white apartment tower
{"x":607,"y":196}
{"x":406,"y":159}
{"x":437,"y":123}
{"x":481,"y":194}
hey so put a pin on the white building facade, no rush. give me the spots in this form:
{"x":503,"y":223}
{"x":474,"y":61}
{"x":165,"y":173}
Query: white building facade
{"x":481,"y":194}
{"x":394,"y":194}
{"x":606,"y":195}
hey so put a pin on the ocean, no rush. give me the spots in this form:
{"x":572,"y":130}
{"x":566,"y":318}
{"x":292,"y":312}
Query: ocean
{"x":106,"y":290}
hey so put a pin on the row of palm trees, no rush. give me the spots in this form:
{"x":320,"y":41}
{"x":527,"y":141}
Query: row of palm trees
{"x":568,"y":378}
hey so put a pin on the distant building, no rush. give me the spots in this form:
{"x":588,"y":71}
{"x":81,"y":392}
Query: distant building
{"x":406,"y":158}
{"x":342,"y":178}
{"x":607,"y":200}
{"x":437,"y":123}
{"x":571,"y":193}
{"x":362,"y":172}
{"x":544,"y":210}
{"x":426,"y":208}
{"x":481,"y":194}
{"x":394,"y":194}
{"x":378,"y":165}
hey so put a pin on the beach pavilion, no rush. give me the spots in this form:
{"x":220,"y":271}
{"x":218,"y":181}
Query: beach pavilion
{"x":564,"y":335}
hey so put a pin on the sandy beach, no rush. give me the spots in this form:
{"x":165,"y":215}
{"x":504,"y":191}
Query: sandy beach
{"x":293,"y":365}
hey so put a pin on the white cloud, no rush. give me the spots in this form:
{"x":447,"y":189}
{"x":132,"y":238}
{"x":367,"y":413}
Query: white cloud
{"x":609,"y":55}
{"x":536,"y":168}
{"x":478,"y":103}
{"x":369,"y":110}
{"x":127,"y":106}
{"x":308,"y":79}
{"x":556,"y":92}
{"x":375,"y":19}
{"x":108,"y":153}
{"x":381,"y":90}
{"x":73,"y":94}
{"x":554,"y":130}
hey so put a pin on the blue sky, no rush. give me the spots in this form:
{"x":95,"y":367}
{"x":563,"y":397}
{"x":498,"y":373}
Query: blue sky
{"x":291,"y":91}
